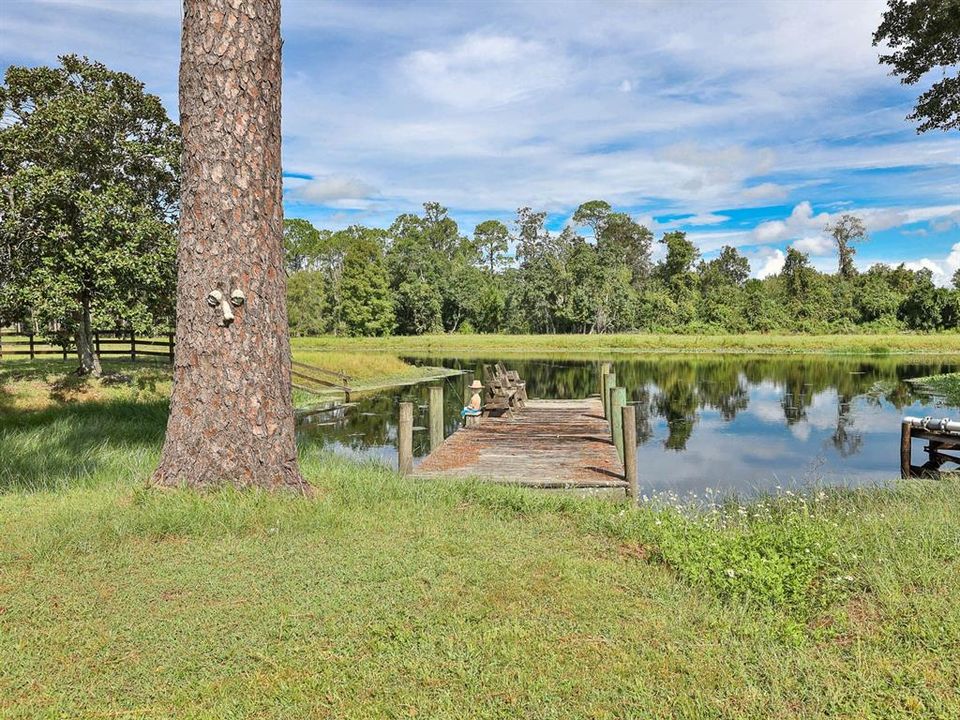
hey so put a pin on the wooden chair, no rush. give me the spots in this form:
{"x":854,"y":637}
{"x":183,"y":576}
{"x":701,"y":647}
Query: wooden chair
{"x":499,"y":397}
{"x":511,"y":378}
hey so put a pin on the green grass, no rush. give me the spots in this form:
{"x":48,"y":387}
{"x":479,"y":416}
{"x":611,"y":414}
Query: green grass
{"x":946,"y":386}
{"x":506,"y":345}
{"x":367,"y":370}
{"x":385,"y":597}
{"x":25,"y":383}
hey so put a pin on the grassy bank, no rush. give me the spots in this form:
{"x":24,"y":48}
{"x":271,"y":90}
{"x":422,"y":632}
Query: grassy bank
{"x":506,"y":345}
{"x":384,"y":597}
{"x":28,"y":384}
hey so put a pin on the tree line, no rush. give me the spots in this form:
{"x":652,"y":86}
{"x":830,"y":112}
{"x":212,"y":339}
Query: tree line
{"x":596,"y":275}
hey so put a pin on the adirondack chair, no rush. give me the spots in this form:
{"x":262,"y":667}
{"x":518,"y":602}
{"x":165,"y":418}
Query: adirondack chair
{"x":512,"y":379}
{"x":499,"y":396}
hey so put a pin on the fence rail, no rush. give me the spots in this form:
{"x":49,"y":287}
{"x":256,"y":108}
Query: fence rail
{"x":105,"y":343}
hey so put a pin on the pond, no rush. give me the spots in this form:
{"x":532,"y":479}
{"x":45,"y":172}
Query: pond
{"x":729,"y":423}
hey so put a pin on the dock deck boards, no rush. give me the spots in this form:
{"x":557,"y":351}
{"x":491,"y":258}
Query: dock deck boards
{"x":550,"y":444}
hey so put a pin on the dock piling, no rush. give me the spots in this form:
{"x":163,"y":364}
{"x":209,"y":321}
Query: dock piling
{"x":630,"y":452}
{"x":618,"y":400}
{"x":436,"y":416}
{"x":604,"y":369}
{"x":609,"y":382}
{"x":906,"y":446}
{"x":405,"y":439}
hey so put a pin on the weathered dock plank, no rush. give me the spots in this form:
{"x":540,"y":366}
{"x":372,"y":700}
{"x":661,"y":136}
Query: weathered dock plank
{"x":549,"y":444}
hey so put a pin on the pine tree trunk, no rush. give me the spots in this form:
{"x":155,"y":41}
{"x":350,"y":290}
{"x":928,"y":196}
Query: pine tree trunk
{"x":86,"y":353}
{"x":231,"y":415}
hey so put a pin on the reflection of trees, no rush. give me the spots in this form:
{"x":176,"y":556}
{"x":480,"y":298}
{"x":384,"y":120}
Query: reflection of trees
{"x":672,"y":388}
{"x":847,"y":442}
{"x":677,"y":403}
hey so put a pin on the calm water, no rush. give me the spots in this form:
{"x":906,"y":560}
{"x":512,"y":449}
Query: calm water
{"x":730,"y":423}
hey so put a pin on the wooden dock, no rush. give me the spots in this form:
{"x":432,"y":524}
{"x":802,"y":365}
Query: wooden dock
{"x":549,"y":444}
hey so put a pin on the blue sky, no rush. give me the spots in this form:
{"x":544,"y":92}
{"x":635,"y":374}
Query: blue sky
{"x":751,"y":124}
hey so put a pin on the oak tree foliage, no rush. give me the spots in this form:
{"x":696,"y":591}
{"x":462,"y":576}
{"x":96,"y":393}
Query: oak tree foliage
{"x":89,"y":165}
{"x":923,"y":38}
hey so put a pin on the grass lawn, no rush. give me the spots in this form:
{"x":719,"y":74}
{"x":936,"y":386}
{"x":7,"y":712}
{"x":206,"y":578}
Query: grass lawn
{"x":40,"y":382}
{"x":385,"y":597}
{"x":505,"y":345}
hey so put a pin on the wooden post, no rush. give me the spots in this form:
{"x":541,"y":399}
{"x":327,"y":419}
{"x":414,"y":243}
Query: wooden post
{"x":133,"y":346}
{"x":630,"y":451}
{"x":31,"y":346}
{"x":609,"y":382}
{"x":604,"y":369}
{"x":96,"y":341}
{"x":472,"y":421}
{"x":618,"y":398}
{"x":906,"y":445}
{"x":170,"y":352}
{"x":436,"y":416}
{"x":405,"y":439}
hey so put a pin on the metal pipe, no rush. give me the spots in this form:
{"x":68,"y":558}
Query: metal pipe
{"x":935,"y":424}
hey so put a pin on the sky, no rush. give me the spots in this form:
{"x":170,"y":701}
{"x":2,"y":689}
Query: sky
{"x":751,"y":124}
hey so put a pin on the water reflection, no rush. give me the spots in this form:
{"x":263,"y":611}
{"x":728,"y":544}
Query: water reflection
{"x":728,"y":422}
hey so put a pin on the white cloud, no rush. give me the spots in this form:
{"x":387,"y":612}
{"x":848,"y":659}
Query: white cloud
{"x":926,"y":264}
{"x":482,"y":71}
{"x":705,"y":219}
{"x":816,"y":245}
{"x":765,"y":191}
{"x":334,"y":191}
{"x":948,"y":223}
{"x":801,"y":221}
{"x":767,"y":261}
{"x":626,"y":86}
{"x":952,"y":260}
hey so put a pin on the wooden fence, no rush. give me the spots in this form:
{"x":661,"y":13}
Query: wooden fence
{"x":107,"y":343}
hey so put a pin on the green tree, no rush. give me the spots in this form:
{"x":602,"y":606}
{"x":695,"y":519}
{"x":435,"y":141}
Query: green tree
{"x":535,"y":301}
{"x":423,"y":250}
{"x":491,"y":238}
{"x":797,"y":276}
{"x":624,"y":242}
{"x":730,"y":267}
{"x":594,"y":214}
{"x":877,"y":299}
{"x":307,"y":310}
{"x":924,"y":37}
{"x":676,"y":273}
{"x":302,"y":243}
{"x":846,"y":231}
{"x":419,"y":308}
{"x":927,"y":307}
{"x":491,"y":305}
{"x":721,"y":283}
{"x":89,"y":166}
{"x":366,"y":303}
{"x":681,"y":255}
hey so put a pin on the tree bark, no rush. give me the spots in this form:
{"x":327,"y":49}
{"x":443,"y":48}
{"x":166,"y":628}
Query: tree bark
{"x":89,"y":360}
{"x":231,"y":414}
